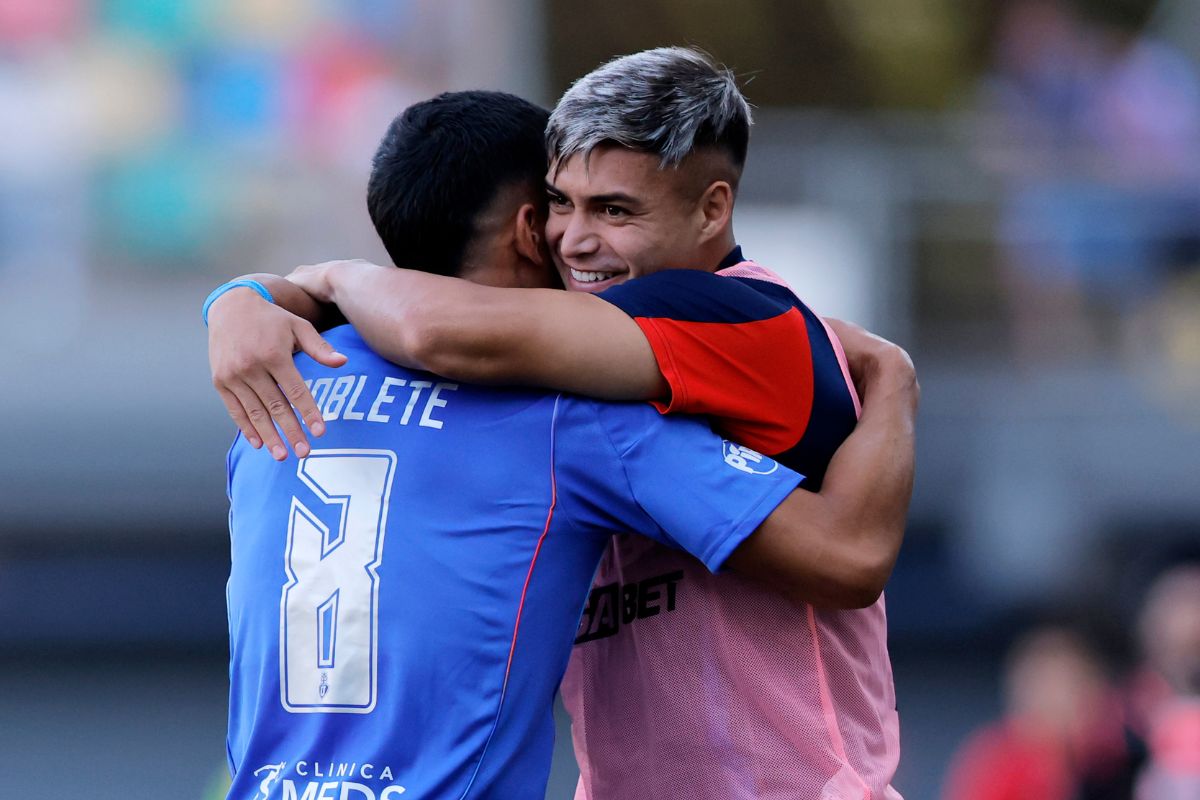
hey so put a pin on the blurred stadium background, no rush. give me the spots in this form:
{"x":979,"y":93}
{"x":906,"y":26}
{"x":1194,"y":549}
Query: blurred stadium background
{"x":1008,"y":189}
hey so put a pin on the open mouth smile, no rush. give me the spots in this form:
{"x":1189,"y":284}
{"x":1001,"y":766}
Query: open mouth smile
{"x":586,"y":276}
{"x":593,"y":280}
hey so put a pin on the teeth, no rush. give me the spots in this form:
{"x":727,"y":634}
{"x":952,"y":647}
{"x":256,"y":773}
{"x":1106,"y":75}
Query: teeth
{"x":589,"y":277}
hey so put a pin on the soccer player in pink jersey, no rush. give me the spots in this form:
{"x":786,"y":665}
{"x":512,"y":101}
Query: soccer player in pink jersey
{"x":683,"y":683}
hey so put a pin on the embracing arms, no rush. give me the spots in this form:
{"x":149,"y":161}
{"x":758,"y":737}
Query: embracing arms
{"x":832,"y":548}
{"x":837,"y":547}
{"x":461,"y":330}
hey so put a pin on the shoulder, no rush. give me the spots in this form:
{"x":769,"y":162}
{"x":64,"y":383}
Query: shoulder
{"x":621,"y":425}
{"x":688,"y":295}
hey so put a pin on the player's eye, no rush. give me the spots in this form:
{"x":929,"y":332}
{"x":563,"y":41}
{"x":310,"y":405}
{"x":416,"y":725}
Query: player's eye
{"x":614,"y":212}
{"x":556,"y":200}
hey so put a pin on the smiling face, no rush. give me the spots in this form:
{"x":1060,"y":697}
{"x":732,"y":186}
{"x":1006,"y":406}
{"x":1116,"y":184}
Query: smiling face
{"x":618,"y":216}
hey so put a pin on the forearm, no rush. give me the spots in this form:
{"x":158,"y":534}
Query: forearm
{"x":869,"y":483}
{"x":473,"y":333}
{"x":295,"y":300}
{"x":836,"y":548}
{"x":420,"y":320}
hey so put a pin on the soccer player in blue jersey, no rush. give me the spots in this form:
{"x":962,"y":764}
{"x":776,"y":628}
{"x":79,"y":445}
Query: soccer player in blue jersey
{"x":494,"y":233}
{"x":402,"y":602}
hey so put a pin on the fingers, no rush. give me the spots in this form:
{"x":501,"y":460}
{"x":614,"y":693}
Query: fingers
{"x":838,"y":325}
{"x":250,"y":355}
{"x":863,"y":350}
{"x":875,"y":362}
{"x":280,"y":413}
{"x":849,"y":334}
{"x":258,"y":404}
{"x":260,"y":420}
{"x":288,"y":377}
{"x":850,"y":337}
{"x":314,"y":345}
{"x":312,"y":279}
{"x":298,"y":395}
{"x":238,"y":415}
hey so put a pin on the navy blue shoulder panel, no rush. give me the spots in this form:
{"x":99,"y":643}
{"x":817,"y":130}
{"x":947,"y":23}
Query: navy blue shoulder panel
{"x":696,"y":296}
{"x":833,"y":416}
{"x":690,"y":295}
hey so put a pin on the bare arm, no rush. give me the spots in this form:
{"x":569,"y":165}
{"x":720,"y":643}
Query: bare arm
{"x":837,"y":548}
{"x":462,"y":330}
{"x":293,"y":299}
{"x":483,"y":334}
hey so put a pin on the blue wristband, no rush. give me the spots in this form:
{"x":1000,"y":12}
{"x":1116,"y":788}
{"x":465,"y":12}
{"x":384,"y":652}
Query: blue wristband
{"x":225,"y":287}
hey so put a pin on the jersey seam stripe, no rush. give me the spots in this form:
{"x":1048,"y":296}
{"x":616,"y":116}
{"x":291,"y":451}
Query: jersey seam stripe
{"x":827,"y":710}
{"x":521,"y":605}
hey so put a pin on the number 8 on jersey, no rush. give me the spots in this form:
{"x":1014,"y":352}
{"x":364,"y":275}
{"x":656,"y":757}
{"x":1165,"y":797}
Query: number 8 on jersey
{"x":329,"y":608}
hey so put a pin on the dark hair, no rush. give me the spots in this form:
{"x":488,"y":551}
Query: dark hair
{"x":441,"y":163}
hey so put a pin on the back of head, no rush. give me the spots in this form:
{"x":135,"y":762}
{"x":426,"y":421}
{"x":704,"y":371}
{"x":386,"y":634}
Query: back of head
{"x":670,"y":102}
{"x":441,"y":163}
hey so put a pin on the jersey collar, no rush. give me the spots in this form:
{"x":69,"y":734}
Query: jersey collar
{"x":733,"y":259}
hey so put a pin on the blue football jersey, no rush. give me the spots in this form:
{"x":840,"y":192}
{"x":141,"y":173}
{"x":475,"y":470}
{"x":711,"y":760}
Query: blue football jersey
{"x":402,"y":603}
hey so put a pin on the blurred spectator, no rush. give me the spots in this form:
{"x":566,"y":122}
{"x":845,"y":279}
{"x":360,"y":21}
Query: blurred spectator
{"x":1166,"y":697}
{"x":1094,"y":131}
{"x":1061,"y":736}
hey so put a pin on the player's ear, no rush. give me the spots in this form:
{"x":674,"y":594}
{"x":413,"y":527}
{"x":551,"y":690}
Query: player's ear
{"x":715,"y":209}
{"x":528,"y":235}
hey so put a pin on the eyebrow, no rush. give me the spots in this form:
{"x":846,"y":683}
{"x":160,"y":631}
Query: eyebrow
{"x":612,"y":198}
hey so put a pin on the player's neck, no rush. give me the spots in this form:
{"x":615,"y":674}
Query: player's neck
{"x":715,"y":251}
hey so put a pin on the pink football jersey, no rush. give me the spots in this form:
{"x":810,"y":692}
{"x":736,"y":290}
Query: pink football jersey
{"x":687,"y":684}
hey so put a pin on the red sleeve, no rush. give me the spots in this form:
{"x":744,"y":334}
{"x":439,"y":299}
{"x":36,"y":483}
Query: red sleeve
{"x":751,"y":357}
{"x":754,"y":379}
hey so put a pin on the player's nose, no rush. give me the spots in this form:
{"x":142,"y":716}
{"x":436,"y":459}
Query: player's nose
{"x":578,"y":239}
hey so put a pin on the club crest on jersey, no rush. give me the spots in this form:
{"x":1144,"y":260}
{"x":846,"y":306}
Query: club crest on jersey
{"x":747,"y":460}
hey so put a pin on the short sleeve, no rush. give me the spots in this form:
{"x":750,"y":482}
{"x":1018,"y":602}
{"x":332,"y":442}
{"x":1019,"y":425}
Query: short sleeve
{"x":625,"y":468}
{"x":729,"y":350}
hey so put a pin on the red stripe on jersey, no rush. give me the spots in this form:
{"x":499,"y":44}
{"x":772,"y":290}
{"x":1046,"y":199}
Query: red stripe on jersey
{"x":512,"y":648}
{"x":767,"y":401}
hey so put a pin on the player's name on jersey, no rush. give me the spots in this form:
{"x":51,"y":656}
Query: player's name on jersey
{"x":365,"y":398}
